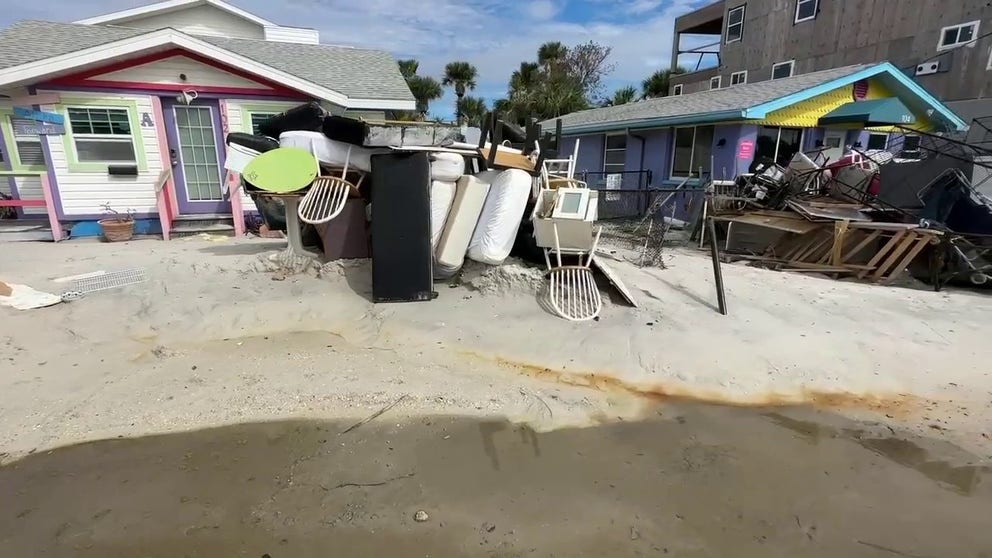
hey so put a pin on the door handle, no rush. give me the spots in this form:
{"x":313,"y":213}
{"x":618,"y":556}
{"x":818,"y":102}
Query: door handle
{"x":174,"y":158}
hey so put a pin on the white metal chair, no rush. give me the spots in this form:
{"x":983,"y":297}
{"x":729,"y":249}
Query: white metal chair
{"x":326,"y":197}
{"x":572,"y":290}
{"x":561,"y":172}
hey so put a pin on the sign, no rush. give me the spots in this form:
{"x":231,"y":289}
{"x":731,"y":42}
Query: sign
{"x":27,"y":128}
{"x":613,"y":182}
{"x":146,"y":120}
{"x":745,"y":150}
{"x":39,"y":116}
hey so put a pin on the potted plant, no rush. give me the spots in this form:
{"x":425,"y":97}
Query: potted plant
{"x":117,"y":227}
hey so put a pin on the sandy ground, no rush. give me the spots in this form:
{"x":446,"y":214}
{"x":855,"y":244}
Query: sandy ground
{"x":204,"y":413}
{"x":196,"y":332}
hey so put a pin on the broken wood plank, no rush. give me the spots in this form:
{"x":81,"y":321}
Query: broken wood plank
{"x":915,"y":251}
{"x":894,"y":256}
{"x":840,"y":235}
{"x":884,"y":251}
{"x":857,"y":249}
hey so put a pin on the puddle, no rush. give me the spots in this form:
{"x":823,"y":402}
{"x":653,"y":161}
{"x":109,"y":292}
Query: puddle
{"x":708,"y":481}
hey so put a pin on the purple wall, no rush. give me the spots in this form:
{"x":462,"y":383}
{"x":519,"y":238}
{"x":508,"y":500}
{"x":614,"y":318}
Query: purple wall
{"x":590,"y":152}
{"x":726,"y":164}
{"x":856,"y":136}
{"x":657,"y":154}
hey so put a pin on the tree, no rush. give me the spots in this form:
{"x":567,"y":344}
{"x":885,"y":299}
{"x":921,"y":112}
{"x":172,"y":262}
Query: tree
{"x":657,"y":84}
{"x":473,"y":110}
{"x":624,"y":95}
{"x":408,"y":68}
{"x":551,"y":53}
{"x":462,"y":76}
{"x":563,"y":80}
{"x":424,"y":88}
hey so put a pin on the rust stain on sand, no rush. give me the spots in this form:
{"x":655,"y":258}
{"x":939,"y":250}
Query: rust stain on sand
{"x":896,"y":405}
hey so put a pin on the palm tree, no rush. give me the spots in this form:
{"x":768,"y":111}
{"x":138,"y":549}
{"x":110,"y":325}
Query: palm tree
{"x":462,"y":75}
{"x":624,"y":95}
{"x":425,"y":89}
{"x":657,"y":84}
{"x":551,"y":52}
{"x":473,"y":110}
{"x":408,"y":68}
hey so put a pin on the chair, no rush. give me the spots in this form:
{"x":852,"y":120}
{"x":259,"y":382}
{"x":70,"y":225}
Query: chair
{"x":572,"y":290}
{"x":327,"y":195}
{"x":560,"y":173}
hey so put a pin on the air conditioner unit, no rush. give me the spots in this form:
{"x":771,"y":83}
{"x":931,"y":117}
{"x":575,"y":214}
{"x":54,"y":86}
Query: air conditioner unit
{"x":927,"y":68}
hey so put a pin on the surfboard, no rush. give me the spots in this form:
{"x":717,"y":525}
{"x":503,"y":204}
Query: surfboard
{"x":282,"y":170}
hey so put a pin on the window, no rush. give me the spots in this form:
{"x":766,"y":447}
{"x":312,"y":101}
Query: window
{"x":878,"y":141}
{"x":715,"y":82}
{"x":692,"y":150}
{"x":777,"y":144}
{"x":910,"y":147}
{"x":26,"y":150}
{"x":783,"y":69}
{"x":989,"y":66}
{"x":259,"y":117}
{"x":102,"y":135}
{"x":615,"y":154}
{"x":735,"y":24}
{"x":957,"y":35}
{"x":738,"y":78}
{"x":677,"y":89}
{"x":806,"y":9}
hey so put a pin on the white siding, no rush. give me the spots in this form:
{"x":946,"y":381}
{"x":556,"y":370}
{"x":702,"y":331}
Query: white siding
{"x":201,"y":20}
{"x":292,"y":35}
{"x":28,"y":188}
{"x":167,"y":70}
{"x":236,"y":123}
{"x":83,"y":193}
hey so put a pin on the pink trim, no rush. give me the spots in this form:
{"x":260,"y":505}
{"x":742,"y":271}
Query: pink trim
{"x":65,"y":82}
{"x":233,"y":179}
{"x":82,"y":78}
{"x":22,"y":203}
{"x":165,"y":199}
{"x":53,"y":218}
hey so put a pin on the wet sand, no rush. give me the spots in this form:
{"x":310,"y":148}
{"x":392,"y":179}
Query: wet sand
{"x":688,"y":480}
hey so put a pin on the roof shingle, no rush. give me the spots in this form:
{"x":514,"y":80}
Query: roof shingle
{"x":738,"y":97}
{"x":355,"y":72}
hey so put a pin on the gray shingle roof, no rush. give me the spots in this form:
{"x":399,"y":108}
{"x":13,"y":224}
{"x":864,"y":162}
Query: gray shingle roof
{"x":738,"y":97}
{"x":355,"y":72}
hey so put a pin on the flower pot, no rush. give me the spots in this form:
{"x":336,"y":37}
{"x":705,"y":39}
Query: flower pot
{"x":115,"y":230}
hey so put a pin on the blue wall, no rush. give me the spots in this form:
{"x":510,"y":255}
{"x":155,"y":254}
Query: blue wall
{"x":657,"y":154}
{"x":590,"y":152}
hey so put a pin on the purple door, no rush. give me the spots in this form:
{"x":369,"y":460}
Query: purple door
{"x":196,"y":144}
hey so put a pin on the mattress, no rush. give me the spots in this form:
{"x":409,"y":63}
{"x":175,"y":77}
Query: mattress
{"x":309,"y":117}
{"x":442,"y":194}
{"x":260,"y":144}
{"x":504,"y":208}
{"x":466,"y":207}
{"x":329,"y":152}
{"x":447,"y":167}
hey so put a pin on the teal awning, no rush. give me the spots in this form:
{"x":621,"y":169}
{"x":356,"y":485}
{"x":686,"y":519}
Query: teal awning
{"x":877,"y":112}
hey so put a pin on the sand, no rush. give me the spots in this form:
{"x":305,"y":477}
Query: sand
{"x":223,"y":333}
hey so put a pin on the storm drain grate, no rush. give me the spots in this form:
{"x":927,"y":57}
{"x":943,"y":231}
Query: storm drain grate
{"x":111,"y":280}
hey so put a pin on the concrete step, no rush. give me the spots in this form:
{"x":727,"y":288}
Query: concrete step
{"x":191,"y":225}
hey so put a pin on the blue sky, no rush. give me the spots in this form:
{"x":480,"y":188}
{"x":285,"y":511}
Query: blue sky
{"x":494,"y":35}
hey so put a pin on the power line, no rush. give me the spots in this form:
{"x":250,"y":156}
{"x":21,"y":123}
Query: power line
{"x":942,"y":53}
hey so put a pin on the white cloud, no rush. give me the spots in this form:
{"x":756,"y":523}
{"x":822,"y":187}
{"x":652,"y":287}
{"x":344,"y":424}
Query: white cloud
{"x":494,"y":35}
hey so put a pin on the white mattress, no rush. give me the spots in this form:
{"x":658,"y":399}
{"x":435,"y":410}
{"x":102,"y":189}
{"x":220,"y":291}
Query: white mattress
{"x":442,"y":195}
{"x":470,"y":197}
{"x":447,"y":167}
{"x":329,"y":152}
{"x":504,"y":208}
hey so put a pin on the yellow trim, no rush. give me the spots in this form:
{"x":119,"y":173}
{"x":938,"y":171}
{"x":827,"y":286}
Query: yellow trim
{"x":806,"y":114}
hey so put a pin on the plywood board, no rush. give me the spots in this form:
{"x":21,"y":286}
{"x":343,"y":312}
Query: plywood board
{"x":614,"y":280}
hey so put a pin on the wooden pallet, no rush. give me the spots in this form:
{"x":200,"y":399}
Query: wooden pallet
{"x":832,"y":249}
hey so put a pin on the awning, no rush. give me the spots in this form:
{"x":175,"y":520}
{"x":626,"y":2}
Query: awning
{"x":877,"y":112}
